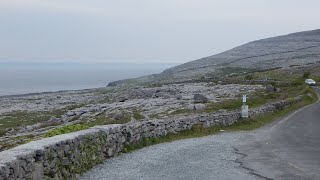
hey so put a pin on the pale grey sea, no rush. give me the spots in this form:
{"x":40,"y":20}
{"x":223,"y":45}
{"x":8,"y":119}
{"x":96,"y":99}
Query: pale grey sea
{"x":32,"y":78}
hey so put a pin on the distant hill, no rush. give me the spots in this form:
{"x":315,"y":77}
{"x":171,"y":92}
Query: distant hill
{"x":300,"y":48}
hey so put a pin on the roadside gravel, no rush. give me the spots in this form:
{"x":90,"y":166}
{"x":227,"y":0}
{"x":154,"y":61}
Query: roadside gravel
{"x":207,"y":158}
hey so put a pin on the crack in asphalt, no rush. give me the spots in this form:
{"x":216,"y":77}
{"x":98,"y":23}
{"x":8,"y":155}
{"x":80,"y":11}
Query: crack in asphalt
{"x":251,"y":171}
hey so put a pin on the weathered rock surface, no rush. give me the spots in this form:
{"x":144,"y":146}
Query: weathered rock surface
{"x":270,"y":88}
{"x":119,"y":115}
{"x":199,"y":98}
{"x":297,"y":49}
{"x":149,"y":102}
{"x":199,"y":107}
{"x":67,"y":156}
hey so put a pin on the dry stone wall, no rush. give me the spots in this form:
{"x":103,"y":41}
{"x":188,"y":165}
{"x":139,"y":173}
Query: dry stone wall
{"x":68,"y":156}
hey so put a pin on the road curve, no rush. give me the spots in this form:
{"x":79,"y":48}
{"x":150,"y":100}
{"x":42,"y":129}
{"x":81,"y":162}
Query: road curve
{"x":290,"y":148}
{"x":286,"y":149}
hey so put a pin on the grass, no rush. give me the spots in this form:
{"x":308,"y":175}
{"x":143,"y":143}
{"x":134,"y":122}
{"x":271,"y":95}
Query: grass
{"x":242,"y":125}
{"x":104,"y":120}
{"x":100,"y":120}
{"x":276,"y":74}
{"x":65,"y":130}
{"x":254,"y":100}
{"x":104,"y":91}
{"x":24,"y":118}
{"x":137,"y":115}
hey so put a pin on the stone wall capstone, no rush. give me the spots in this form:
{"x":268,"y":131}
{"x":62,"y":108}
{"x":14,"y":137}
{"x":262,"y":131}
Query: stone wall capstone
{"x":67,"y":156}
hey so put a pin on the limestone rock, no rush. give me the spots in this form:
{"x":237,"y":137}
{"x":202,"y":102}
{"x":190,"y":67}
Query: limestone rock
{"x":71,"y":113}
{"x":270,"y":88}
{"x":191,"y":107}
{"x":200,"y":98}
{"x":123,"y":99}
{"x":179,"y":97}
{"x":119,"y":115}
{"x":199,"y":107}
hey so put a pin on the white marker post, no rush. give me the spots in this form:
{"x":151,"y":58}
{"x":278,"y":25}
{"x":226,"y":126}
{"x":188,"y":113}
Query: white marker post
{"x":244,"y":108}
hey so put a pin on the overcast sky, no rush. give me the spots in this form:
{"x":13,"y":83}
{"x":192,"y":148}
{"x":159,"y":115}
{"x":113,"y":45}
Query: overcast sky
{"x":140,"y":31}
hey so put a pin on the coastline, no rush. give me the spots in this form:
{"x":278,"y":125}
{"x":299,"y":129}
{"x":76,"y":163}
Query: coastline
{"x":49,"y":92}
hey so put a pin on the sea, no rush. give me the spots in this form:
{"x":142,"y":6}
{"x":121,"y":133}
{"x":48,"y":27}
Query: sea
{"x":24,"y":78}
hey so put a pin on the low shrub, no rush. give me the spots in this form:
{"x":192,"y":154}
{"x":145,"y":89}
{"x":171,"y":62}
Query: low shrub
{"x":66,"y":129}
{"x":137,"y":115}
{"x":297,"y":82}
{"x":248,"y":77}
{"x":306,"y":75}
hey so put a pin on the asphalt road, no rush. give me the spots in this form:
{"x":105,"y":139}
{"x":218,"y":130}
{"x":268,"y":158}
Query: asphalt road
{"x":290,"y":148}
{"x":286,"y":149}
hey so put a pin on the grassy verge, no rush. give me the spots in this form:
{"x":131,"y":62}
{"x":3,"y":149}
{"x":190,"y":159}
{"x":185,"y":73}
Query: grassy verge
{"x":65,"y":130}
{"x":243,"y":125}
{"x":254,"y":100}
{"x":23,"y":118}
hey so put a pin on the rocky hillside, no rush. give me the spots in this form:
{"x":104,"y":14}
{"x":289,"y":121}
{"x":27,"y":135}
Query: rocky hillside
{"x":300,"y":48}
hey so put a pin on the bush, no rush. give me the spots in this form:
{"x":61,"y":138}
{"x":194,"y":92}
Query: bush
{"x":306,"y":75}
{"x":308,"y":90}
{"x":66,"y":129}
{"x":2,"y":132}
{"x":248,"y":77}
{"x":272,"y":83}
{"x":297,"y":82}
{"x":137,"y":115}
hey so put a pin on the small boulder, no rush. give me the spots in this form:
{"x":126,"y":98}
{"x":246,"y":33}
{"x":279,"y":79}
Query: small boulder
{"x":199,"y":107}
{"x":119,"y":115}
{"x":79,"y":113}
{"x":123,"y":99}
{"x":179,"y":97}
{"x":54,"y":119}
{"x":191,"y":107}
{"x":71,"y":113}
{"x":199,"y":98}
{"x":270,"y":88}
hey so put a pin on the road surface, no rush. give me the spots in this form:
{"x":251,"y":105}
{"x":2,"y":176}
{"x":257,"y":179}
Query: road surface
{"x":286,"y":149}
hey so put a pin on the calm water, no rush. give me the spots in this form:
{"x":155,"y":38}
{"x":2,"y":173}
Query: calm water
{"x":26,"y":78}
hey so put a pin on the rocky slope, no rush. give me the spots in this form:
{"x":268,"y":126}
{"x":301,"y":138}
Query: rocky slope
{"x":300,"y":48}
{"x":33,"y":115}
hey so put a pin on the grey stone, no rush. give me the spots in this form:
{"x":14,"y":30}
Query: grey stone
{"x":263,"y":54}
{"x":179,"y":97}
{"x":79,"y":113}
{"x":123,"y":99}
{"x":119,"y":115}
{"x":199,"y":98}
{"x":71,"y":113}
{"x":191,"y":107}
{"x":270,"y":88}
{"x":199,"y":107}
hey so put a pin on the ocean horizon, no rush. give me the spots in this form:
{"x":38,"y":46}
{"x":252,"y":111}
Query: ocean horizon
{"x":25,"y":78}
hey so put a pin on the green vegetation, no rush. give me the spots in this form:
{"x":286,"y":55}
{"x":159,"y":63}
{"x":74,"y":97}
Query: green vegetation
{"x":104,"y":120}
{"x":256,"y":99}
{"x":25,"y":118}
{"x":104,"y":91}
{"x":21,"y":118}
{"x":232,"y":70}
{"x":100,"y":120}
{"x":66,"y":129}
{"x":137,"y":115}
{"x":243,"y":125}
{"x":276,"y":74}
{"x":154,"y":116}
{"x":248,"y":77}
{"x":297,"y":82}
{"x":306,"y":75}
{"x":316,"y":78}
